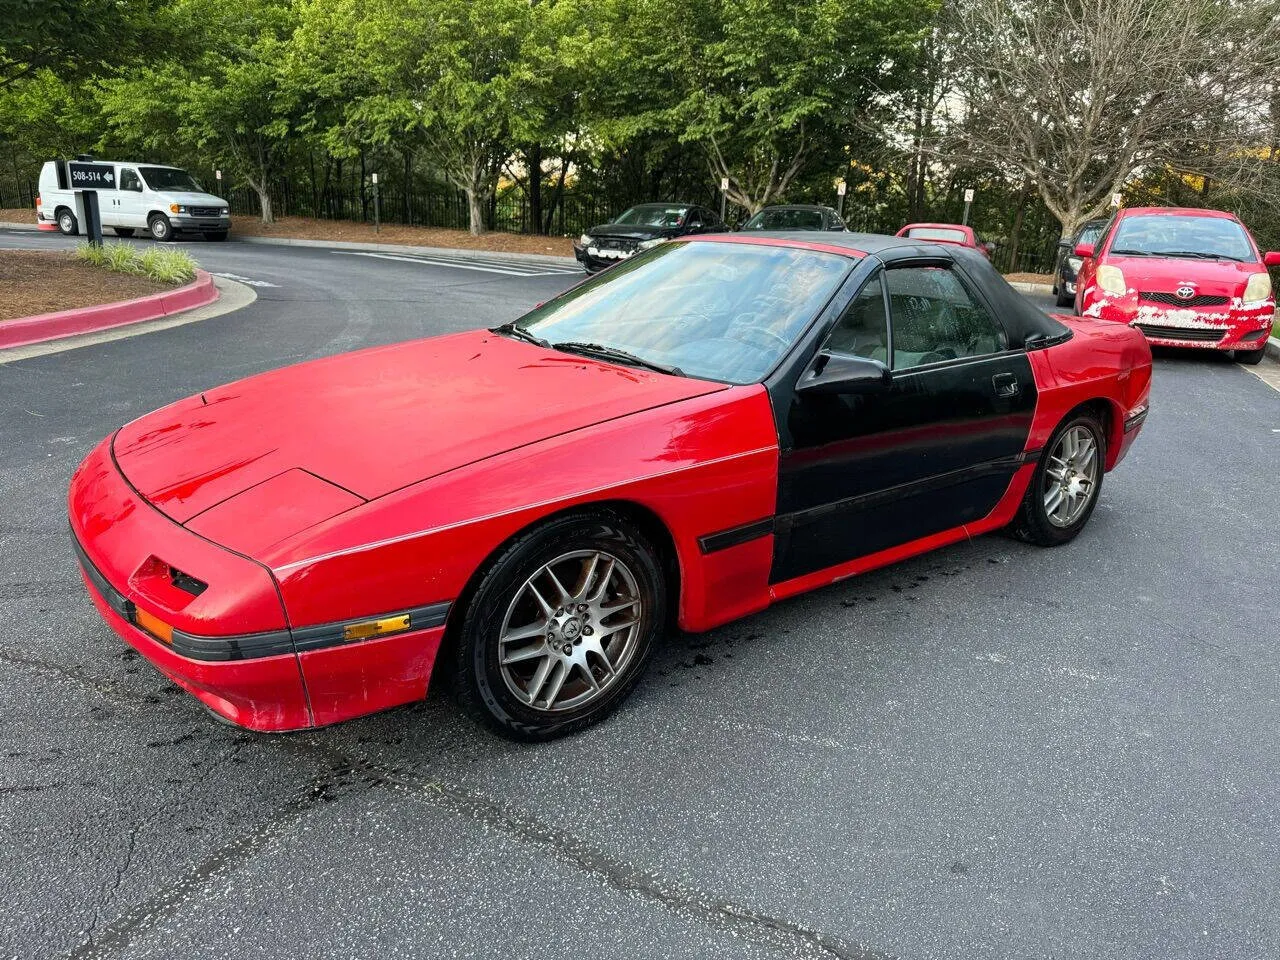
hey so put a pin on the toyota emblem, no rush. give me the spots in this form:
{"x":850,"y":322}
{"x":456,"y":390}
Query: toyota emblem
{"x":1186,"y":293}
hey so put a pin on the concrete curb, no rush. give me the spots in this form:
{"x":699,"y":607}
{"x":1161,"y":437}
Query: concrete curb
{"x":69,"y":323}
{"x":457,"y":253}
{"x":10,"y":225}
{"x":1038,"y":289}
{"x":1272,"y":349}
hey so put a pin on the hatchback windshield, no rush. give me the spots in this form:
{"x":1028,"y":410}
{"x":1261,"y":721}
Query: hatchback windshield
{"x":654,"y":215}
{"x":1171,"y":235}
{"x":169,"y":178}
{"x":937,"y":233}
{"x":784,"y":219}
{"x":717,"y":311}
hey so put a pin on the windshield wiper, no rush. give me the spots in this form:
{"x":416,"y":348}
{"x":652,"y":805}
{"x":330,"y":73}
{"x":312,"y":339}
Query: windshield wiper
{"x":511,"y":330}
{"x":1199,"y":255}
{"x":1133,"y":253}
{"x":613,"y":353}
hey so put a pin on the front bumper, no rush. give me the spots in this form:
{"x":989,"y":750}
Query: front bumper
{"x":186,"y":223}
{"x":1232,"y":326}
{"x":232,"y":646}
{"x":600,"y":259}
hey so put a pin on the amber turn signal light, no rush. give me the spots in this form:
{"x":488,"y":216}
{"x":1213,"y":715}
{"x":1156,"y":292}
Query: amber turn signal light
{"x":375,"y":628}
{"x":153,"y":625}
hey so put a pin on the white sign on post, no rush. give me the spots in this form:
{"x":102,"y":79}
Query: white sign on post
{"x":375,"y":178}
{"x":841,"y":188}
{"x":968,"y":196}
{"x":724,"y":183}
{"x":217,"y":175}
{"x":1115,"y":199}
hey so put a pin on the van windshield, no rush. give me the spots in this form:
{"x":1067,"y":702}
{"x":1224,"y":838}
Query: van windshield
{"x":169,"y":178}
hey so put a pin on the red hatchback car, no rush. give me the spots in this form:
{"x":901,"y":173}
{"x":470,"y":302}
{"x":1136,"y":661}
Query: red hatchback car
{"x":1185,"y":278}
{"x":699,"y":431}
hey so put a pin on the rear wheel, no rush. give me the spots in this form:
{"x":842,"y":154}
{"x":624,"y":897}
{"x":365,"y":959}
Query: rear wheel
{"x":67,"y":222}
{"x":561,"y":627}
{"x":1250,"y":357}
{"x":160,"y":228}
{"x":123,"y":231}
{"x":1064,"y":488}
{"x":1065,"y":299}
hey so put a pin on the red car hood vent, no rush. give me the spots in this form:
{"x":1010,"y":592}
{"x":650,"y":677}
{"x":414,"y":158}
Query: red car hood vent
{"x":377,"y":420}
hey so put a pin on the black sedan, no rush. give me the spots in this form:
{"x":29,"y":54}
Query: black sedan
{"x":1064,"y":287}
{"x":796,"y":216}
{"x":641,"y":227}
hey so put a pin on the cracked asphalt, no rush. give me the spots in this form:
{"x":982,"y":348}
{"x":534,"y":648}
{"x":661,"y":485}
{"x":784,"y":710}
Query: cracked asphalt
{"x":991,"y":751}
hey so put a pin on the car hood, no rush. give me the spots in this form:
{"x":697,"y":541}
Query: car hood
{"x":339,"y":431}
{"x":1225,"y":278}
{"x":632,"y":231}
{"x":192,"y":199}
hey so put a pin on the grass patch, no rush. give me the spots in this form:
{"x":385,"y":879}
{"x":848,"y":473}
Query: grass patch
{"x":162,"y":264}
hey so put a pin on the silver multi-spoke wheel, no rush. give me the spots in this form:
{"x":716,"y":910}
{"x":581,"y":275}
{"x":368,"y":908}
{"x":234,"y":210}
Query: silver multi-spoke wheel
{"x":570,"y":631}
{"x":1071,"y":476}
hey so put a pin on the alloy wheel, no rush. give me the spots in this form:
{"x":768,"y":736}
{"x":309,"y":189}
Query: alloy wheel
{"x":1071,"y":477}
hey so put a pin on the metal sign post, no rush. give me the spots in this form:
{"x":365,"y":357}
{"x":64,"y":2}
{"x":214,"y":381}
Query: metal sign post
{"x":86,"y":178}
{"x":841,"y":189}
{"x":968,"y":199}
{"x":377,"y":222}
{"x":724,"y":185}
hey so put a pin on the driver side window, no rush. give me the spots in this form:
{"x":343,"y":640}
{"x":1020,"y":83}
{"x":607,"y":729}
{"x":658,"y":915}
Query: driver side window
{"x":129,"y":180}
{"x":863,"y":328}
{"x":936,"y":318}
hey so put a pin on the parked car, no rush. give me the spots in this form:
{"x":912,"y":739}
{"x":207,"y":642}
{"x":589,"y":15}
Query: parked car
{"x":1184,"y":277}
{"x":641,"y":227}
{"x":164,"y":201}
{"x":957,"y":233}
{"x":1064,"y":286}
{"x":717,"y":424}
{"x":795,"y":216}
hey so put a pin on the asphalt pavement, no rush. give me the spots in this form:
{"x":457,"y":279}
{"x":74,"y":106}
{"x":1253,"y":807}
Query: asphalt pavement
{"x":991,"y":751}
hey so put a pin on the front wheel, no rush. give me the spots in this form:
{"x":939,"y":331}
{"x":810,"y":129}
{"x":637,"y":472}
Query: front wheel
{"x":1064,"y":488}
{"x":160,"y":228}
{"x":1065,"y":299}
{"x":561,"y":627}
{"x":1250,"y":357}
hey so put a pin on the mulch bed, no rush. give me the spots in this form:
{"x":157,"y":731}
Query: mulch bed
{"x":1047,"y":279}
{"x":306,"y":228}
{"x":34,"y":282}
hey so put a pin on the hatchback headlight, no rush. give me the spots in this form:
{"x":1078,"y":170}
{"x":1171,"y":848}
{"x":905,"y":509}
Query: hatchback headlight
{"x":1258,"y":288}
{"x":1111,"y":280}
{"x":646,"y":244}
{"x":584,"y":240}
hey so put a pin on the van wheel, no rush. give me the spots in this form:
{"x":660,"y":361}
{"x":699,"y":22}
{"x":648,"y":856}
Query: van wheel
{"x":123,"y":231}
{"x":67,"y":224}
{"x":160,"y":227}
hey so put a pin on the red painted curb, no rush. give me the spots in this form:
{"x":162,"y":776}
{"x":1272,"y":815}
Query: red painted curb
{"x":69,"y":323}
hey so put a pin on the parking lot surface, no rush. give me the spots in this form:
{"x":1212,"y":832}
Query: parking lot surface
{"x":991,"y":751}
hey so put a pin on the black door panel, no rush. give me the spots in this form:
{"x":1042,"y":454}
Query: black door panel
{"x":935,"y":450}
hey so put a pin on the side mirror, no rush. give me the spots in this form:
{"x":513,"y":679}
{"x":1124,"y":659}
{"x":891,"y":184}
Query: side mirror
{"x":834,"y":373}
{"x":1084,"y":250}
{"x":1271,"y":258}
{"x":989,"y":248}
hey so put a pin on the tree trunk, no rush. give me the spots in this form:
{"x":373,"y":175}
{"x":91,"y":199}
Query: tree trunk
{"x":1015,"y":234}
{"x":475,"y":210}
{"x":533,"y":163}
{"x":264,"y":201}
{"x":557,"y":198}
{"x":408,"y":176}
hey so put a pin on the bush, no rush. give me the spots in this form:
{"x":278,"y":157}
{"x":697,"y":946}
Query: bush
{"x":165,"y":265}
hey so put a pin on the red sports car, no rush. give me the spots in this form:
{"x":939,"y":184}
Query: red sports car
{"x":684,"y":439}
{"x":957,"y":233}
{"x":1185,"y":278}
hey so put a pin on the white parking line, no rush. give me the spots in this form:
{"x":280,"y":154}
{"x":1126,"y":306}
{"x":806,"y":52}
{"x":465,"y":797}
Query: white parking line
{"x":510,"y":269}
{"x":252,"y":283}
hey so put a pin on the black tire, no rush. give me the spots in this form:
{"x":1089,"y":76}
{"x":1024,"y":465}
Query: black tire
{"x":67,"y":224}
{"x":1032,"y":523}
{"x":216,"y":235}
{"x":1066,"y":299}
{"x":160,"y":228}
{"x":123,"y":231}
{"x":479,"y":683}
{"x":1250,"y":357}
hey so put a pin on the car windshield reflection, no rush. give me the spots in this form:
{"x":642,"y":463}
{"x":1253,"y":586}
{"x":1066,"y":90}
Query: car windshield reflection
{"x":715,"y":311}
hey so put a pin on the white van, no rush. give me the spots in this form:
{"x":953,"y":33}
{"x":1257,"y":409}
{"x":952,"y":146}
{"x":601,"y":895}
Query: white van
{"x":164,"y":201}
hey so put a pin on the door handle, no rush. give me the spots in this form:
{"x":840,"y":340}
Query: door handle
{"x":1006,"y":385}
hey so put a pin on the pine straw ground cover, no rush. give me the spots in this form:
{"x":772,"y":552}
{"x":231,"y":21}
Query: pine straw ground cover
{"x":34,"y":282}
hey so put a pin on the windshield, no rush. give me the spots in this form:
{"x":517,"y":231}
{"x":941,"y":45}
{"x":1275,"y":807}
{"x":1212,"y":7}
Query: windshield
{"x":1090,"y":232}
{"x":786,"y":220}
{"x":717,"y":311}
{"x":654,"y":215}
{"x":937,"y":233}
{"x":1170,"y":235}
{"x":169,"y":178}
